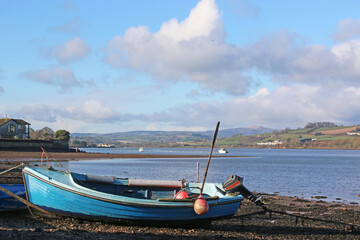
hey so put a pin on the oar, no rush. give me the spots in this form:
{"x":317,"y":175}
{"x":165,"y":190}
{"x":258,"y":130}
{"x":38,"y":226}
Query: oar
{"x":208,"y":163}
{"x":200,"y":205}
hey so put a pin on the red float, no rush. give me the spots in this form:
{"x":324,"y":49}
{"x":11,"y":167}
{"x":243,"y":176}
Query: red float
{"x":201,"y":206}
{"x":181,"y":195}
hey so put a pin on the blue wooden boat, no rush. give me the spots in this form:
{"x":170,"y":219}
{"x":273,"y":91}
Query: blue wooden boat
{"x":9,"y":203}
{"x":93,"y":196}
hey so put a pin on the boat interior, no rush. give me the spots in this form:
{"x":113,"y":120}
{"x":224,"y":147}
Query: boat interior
{"x":134,"y":188}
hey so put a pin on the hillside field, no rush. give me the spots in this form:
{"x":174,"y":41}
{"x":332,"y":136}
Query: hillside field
{"x":324,"y":138}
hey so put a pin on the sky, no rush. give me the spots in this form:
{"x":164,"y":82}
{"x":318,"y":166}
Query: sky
{"x":115,"y":66}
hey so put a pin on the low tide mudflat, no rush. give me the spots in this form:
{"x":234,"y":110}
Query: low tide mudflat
{"x":22,"y":225}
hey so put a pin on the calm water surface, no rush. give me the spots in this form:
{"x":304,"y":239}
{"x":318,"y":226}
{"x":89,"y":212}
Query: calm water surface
{"x":304,"y":173}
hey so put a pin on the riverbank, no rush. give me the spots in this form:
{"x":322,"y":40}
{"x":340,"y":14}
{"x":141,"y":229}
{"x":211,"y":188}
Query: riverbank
{"x":22,"y":225}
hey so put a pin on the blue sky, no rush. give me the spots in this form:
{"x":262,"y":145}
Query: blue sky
{"x":95,"y":66}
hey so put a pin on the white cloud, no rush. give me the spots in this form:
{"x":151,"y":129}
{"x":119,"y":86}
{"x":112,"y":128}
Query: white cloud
{"x":195,"y":50}
{"x":94,"y":110}
{"x":87,"y":112}
{"x":287,"y":106}
{"x":286,"y":59}
{"x":39,"y":112}
{"x":318,"y":82}
{"x":348,"y":53}
{"x":346,"y":30}
{"x":204,"y":21}
{"x":73,"y":49}
{"x":293,"y":106}
{"x":56,"y":76}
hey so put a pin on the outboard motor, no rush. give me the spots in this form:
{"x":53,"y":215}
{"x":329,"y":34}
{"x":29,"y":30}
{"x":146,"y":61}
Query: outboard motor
{"x":234,"y":184}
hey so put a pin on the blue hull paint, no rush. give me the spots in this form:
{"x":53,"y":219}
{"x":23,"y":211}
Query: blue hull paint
{"x":9,"y":203}
{"x":57,"y":192}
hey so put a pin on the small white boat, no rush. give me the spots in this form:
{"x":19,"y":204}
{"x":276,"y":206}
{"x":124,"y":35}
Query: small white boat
{"x":222,"y":150}
{"x":141,"y":149}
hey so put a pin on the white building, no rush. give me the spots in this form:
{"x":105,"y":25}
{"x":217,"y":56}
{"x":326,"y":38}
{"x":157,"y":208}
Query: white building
{"x":276,"y":142}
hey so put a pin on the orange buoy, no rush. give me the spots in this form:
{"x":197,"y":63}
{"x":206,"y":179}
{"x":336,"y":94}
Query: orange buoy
{"x":201,"y":206}
{"x":181,"y":195}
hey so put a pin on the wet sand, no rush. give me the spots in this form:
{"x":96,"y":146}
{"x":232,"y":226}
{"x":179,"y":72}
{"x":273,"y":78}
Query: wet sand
{"x":22,"y":225}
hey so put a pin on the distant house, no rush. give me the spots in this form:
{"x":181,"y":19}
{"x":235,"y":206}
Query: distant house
{"x":14,"y":128}
{"x":353,"y":133}
{"x":276,"y":142}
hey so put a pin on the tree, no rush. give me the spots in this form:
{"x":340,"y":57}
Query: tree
{"x":45,"y":133}
{"x":62,"y":135}
{"x":320,"y":124}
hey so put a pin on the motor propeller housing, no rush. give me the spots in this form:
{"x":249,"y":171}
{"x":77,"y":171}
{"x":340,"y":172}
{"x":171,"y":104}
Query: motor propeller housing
{"x":234,"y":184}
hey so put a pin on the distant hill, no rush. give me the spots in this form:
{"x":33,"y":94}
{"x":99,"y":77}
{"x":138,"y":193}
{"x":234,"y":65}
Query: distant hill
{"x":165,"y":136}
{"x":242,"y":131}
{"x":323,"y":135}
{"x":316,"y":135}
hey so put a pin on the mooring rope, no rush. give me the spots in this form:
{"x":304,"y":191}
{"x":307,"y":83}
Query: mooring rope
{"x":18,"y":197}
{"x":311,"y":218}
{"x":54,"y":160}
{"x":270,"y":211}
{"x":23,"y":200}
{"x":26,"y":202}
{"x":8,"y":170}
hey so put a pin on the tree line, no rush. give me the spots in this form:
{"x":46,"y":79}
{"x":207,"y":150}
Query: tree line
{"x":47,"y":133}
{"x":320,"y":124}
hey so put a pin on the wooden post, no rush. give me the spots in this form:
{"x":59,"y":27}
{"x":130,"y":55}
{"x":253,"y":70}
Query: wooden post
{"x":197,"y":172}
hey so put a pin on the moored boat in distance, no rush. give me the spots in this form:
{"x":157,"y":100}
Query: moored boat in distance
{"x":94,"y":196}
{"x":222,"y":150}
{"x":141,"y":149}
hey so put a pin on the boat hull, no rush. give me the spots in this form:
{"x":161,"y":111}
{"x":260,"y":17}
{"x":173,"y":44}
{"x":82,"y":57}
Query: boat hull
{"x":54,"y":196}
{"x":9,"y":203}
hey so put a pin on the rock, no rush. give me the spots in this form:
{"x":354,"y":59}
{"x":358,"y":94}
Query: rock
{"x":319,"y":197}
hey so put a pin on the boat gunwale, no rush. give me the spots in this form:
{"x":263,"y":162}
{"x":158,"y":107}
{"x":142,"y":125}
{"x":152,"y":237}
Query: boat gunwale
{"x":147,"y":202}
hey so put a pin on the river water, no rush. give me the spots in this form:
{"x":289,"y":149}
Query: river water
{"x":305,"y":173}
